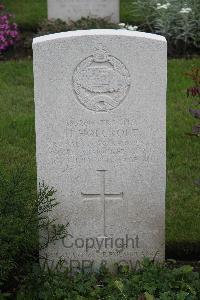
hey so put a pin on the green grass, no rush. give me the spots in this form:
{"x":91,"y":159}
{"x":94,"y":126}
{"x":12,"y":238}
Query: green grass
{"x":183,"y":162}
{"x":17,"y":133}
{"x":29,"y":13}
{"x":17,"y":142}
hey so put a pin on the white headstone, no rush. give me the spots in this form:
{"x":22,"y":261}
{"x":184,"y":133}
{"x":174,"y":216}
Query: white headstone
{"x":100,"y":125}
{"x":76,"y":9}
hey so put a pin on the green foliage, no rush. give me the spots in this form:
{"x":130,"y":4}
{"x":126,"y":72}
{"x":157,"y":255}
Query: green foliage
{"x":150,"y":282}
{"x":127,"y":15}
{"x":20,"y":221}
{"x":53,"y":26}
{"x":15,"y":230}
{"x":177,"y":20}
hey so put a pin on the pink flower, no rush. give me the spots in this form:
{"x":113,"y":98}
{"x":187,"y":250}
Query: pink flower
{"x":8,"y":31}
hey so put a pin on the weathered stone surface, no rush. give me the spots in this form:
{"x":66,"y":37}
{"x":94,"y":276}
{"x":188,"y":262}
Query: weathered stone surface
{"x":75,"y":9}
{"x":100,"y":125}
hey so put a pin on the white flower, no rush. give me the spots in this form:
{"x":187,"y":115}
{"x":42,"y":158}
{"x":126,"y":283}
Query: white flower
{"x":122,"y":25}
{"x":132,"y":28}
{"x":164,"y":6}
{"x":128,"y":27}
{"x":185,"y":10}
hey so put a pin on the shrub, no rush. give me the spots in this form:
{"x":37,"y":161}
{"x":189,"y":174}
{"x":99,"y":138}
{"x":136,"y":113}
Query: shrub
{"x":55,"y":26}
{"x":177,"y":20}
{"x":8,"y":30}
{"x":150,"y":282}
{"x":22,"y":215}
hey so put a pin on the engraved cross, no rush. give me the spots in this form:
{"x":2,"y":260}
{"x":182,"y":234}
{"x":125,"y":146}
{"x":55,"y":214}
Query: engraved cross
{"x":103,"y":196}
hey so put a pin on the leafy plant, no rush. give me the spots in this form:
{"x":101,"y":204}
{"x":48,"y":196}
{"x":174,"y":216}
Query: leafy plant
{"x":20,"y":220}
{"x":57,"y":25}
{"x":152,"y":281}
{"x":177,"y":20}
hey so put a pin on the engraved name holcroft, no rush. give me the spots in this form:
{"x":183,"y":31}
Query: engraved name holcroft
{"x":101,"y":81}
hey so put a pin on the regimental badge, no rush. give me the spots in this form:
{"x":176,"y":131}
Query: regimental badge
{"x":101,"y":81}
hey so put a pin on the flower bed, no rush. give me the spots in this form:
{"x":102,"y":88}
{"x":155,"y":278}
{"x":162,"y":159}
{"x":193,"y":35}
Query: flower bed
{"x":9,"y":33}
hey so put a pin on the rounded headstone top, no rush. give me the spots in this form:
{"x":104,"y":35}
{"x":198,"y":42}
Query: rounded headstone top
{"x":98,"y":32}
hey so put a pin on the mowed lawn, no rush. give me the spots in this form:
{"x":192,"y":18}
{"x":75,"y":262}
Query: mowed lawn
{"x":17,"y":142}
{"x":29,"y":13}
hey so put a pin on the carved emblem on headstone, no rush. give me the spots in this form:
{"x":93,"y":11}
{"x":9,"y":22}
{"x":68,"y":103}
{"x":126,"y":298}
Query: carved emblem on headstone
{"x":101,"y":81}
